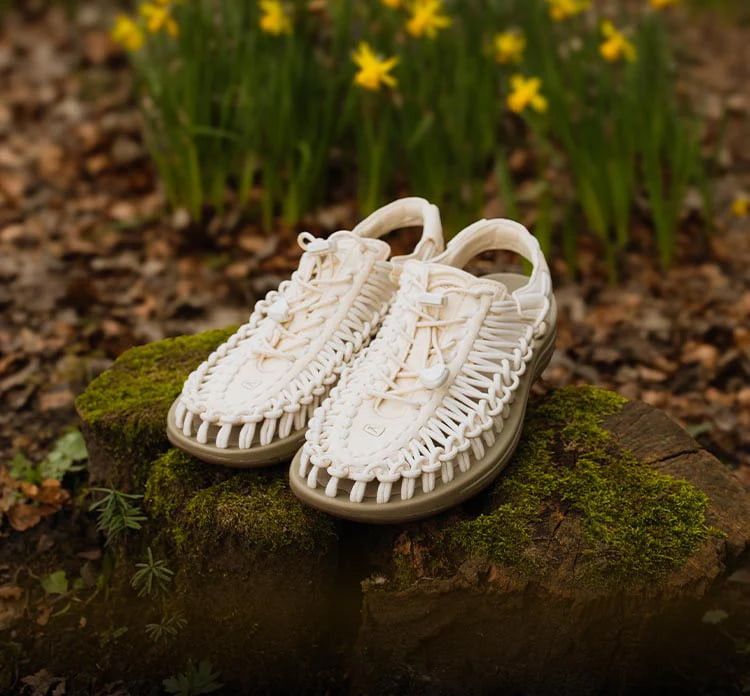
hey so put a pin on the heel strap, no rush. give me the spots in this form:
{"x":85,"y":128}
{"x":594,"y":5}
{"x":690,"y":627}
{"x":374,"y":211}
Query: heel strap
{"x":407,"y":212}
{"x":501,"y":235}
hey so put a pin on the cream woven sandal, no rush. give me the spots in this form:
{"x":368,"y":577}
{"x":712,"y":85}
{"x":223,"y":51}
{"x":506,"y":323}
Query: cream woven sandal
{"x":249,"y":403}
{"x":431,"y":412}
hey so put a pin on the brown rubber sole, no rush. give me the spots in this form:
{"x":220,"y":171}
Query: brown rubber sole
{"x":445,"y":495}
{"x":256,"y":457}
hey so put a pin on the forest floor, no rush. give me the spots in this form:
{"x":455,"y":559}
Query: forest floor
{"x":91,"y":264}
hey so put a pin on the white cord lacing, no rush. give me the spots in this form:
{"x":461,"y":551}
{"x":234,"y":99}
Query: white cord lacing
{"x":310,"y":298}
{"x":305,"y":295}
{"x":436,"y":358}
{"x":471,"y":413}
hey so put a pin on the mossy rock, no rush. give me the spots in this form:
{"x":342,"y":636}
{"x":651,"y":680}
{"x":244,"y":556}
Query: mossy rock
{"x":199,"y":508}
{"x":124,"y":409}
{"x":608,"y":518}
{"x":608,"y":515}
{"x":254,"y":569}
{"x":252,"y":564}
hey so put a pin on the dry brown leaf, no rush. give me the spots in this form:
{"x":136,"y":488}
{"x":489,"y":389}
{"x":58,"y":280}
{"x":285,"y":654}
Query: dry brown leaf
{"x":648,"y":374}
{"x":10,"y":592}
{"x":703,"y":353}
{"x":56,"y":399}
{"x":90,"y":555}
{"x":23,"y":516}
{"x":52,"y":493}
{"x":49,"y":498}
{"x":12,"y":605}
{"x":45,"y":611}
{"x":252,"y":243}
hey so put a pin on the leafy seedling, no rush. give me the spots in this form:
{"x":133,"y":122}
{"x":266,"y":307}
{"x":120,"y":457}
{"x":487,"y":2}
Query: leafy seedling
{"x":151,"y":576}
{"x":117,"y":513}
{"x":55,"y":583}
{"x":195,"y":680}
{"x":22,"y":468}
{"x":167,"y":629}
{"x":65,"y":457}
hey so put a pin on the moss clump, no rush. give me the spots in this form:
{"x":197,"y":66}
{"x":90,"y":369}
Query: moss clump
{"x":636,"y":523}
{"x":174,"y":479}
{"x":125,"y":408}
{"x":201,"y":506}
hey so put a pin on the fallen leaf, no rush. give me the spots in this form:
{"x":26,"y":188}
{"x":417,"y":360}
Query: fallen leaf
{"x":11,"y":592}
{"x":23,"y":516}
{"x":12,"y":605}
{"x":90,"y":555}
{"x":705,"y":354}
{"x":56,"y":399}
{"x":45,"y":611}
{"x":41,"y":682}
{"x":52,"y":493}
{"x":45,"y":543}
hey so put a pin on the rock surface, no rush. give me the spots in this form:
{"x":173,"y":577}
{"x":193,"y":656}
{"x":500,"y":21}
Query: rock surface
{"x":557,"y":579}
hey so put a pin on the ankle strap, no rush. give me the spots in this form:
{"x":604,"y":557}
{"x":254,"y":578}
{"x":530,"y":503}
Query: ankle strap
{"x":407,"y":212}
{"x":496,"y":235}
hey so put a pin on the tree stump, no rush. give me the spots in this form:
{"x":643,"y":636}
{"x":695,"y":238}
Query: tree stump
{"x":563,"y":577}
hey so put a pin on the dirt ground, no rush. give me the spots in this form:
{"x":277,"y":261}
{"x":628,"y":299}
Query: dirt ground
{"x":91,"y":262}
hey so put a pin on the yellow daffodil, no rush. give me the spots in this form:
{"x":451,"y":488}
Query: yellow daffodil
{"x":509,"y":47}
{"x":127,"y":32}
{"x":274,"y":19}
{"x":393,"y":4}
{"x":560,"y":10}
{"x":526,"y":92}
{"x":616,"y":45}
{"x":663,"y":4}
{"x":741,"y":206}
{"x":158,"y":16}
{"x":374,"y":71}
{"x":426,"y":18}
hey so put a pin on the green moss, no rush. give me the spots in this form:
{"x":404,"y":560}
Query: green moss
{"x":201,"y":506}
{"x":173,"y":480}
{"x":636,"y":523}
{"x":125,"y":408}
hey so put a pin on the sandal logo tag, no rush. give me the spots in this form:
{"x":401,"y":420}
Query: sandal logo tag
{"x":251,"y":384}
{"x":374,"y":430}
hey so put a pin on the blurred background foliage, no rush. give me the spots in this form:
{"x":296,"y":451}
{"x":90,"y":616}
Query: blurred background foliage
{"x":279,"y":108}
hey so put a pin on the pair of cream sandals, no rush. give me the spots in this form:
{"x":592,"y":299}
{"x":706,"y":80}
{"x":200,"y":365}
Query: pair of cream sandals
{"x":412,"y":423}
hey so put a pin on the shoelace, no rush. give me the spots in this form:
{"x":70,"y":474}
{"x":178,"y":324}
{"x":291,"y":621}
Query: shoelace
{"x":434,"y":372}
{"x":309,"y":299}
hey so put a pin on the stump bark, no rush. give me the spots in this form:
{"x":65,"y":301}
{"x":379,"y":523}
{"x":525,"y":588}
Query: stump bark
{"x":563,"y":577}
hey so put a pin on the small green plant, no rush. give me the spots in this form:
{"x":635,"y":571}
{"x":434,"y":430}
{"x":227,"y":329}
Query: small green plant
{"x":117,"y":513}
{"x":67,"y":455}
{"x":22,"y":468}
{"x":151,"y":576}
{"x":109,"y":637}
{"x":167,"y":629}
{"x":55,"y":583}
{"x":195,"y":680}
